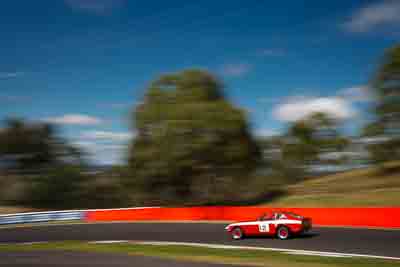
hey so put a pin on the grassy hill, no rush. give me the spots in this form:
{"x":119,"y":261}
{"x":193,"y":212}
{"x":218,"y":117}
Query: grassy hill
{"x":358,"y":188}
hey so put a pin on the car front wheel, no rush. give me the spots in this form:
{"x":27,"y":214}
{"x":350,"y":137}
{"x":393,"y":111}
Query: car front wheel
{"x":283,"y":233}
{"x":237,"y":233}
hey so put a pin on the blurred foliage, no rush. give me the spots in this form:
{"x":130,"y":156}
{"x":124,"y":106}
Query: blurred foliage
{"x":40,"y":169}
{"x":58,"y":188}
{"x":31,"y":146}
{"x":307,"y":139}
{"x":68,"y":187}
{"x":386,"y":128}
{"x":188,"y":134}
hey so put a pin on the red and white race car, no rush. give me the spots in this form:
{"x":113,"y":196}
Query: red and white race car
{"x":279,"y":224}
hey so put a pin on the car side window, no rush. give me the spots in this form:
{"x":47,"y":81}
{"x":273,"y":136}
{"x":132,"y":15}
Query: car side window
{"x":267,"y":217}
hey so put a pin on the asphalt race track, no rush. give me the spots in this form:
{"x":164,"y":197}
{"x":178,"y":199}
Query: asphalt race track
{"x":359,"y":241}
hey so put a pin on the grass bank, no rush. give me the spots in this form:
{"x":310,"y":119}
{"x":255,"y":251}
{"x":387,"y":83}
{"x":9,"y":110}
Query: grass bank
{"x":358,"y":188}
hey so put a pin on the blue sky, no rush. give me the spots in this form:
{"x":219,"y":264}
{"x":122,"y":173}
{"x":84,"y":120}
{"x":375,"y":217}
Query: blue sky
{"x":84,"y":63}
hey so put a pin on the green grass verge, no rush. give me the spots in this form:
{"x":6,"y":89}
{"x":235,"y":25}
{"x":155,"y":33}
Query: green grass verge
{"x":198,"y":254}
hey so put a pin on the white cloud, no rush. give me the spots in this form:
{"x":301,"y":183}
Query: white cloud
{"x":96,"y":147}
{"x":295,"y":109}
{"x":95,"y":6}
{"x":104,"y":135}
{"x":74,"y":119}
{"x":109,"y":156}
{"x":85,"y":144}
{"x":265,"y":132}
{"x":357,"y":94}
{"x":103,"y":153}
{"x":235,"y":70}
{"x":371,"y":16}
{"x":104,"y":147}
{"x":10,"y":75}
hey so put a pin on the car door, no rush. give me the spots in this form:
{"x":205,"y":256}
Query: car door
{"x":266,"y":227}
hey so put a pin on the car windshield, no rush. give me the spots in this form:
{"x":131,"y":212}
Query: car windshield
{"x":294,"y":215}
{"x":266,"y":216}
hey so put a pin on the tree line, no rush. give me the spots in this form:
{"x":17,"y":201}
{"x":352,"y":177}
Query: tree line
{"x":192,"y":146}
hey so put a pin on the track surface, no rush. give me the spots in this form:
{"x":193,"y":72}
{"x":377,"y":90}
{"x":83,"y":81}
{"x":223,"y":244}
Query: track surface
{"x":83,"y":259}
{"x":360,"y":241}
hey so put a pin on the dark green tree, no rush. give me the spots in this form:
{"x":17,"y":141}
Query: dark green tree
{"x":58,"y":188}
{"x":385,"y":129}
{"x":188,"y":133}
{"x":28,"y":146}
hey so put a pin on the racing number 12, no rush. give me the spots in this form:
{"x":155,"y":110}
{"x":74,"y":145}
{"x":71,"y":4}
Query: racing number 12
{"x":263,"y":227}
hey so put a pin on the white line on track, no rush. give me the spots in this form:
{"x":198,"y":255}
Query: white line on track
{"x":32,"y":243}
{"x":321,"y":254}
{"x":109,"y":242}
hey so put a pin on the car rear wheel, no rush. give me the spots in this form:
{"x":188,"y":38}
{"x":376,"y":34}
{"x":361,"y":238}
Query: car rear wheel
{"x":283,"y":233}
{"x":237,"y":233}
